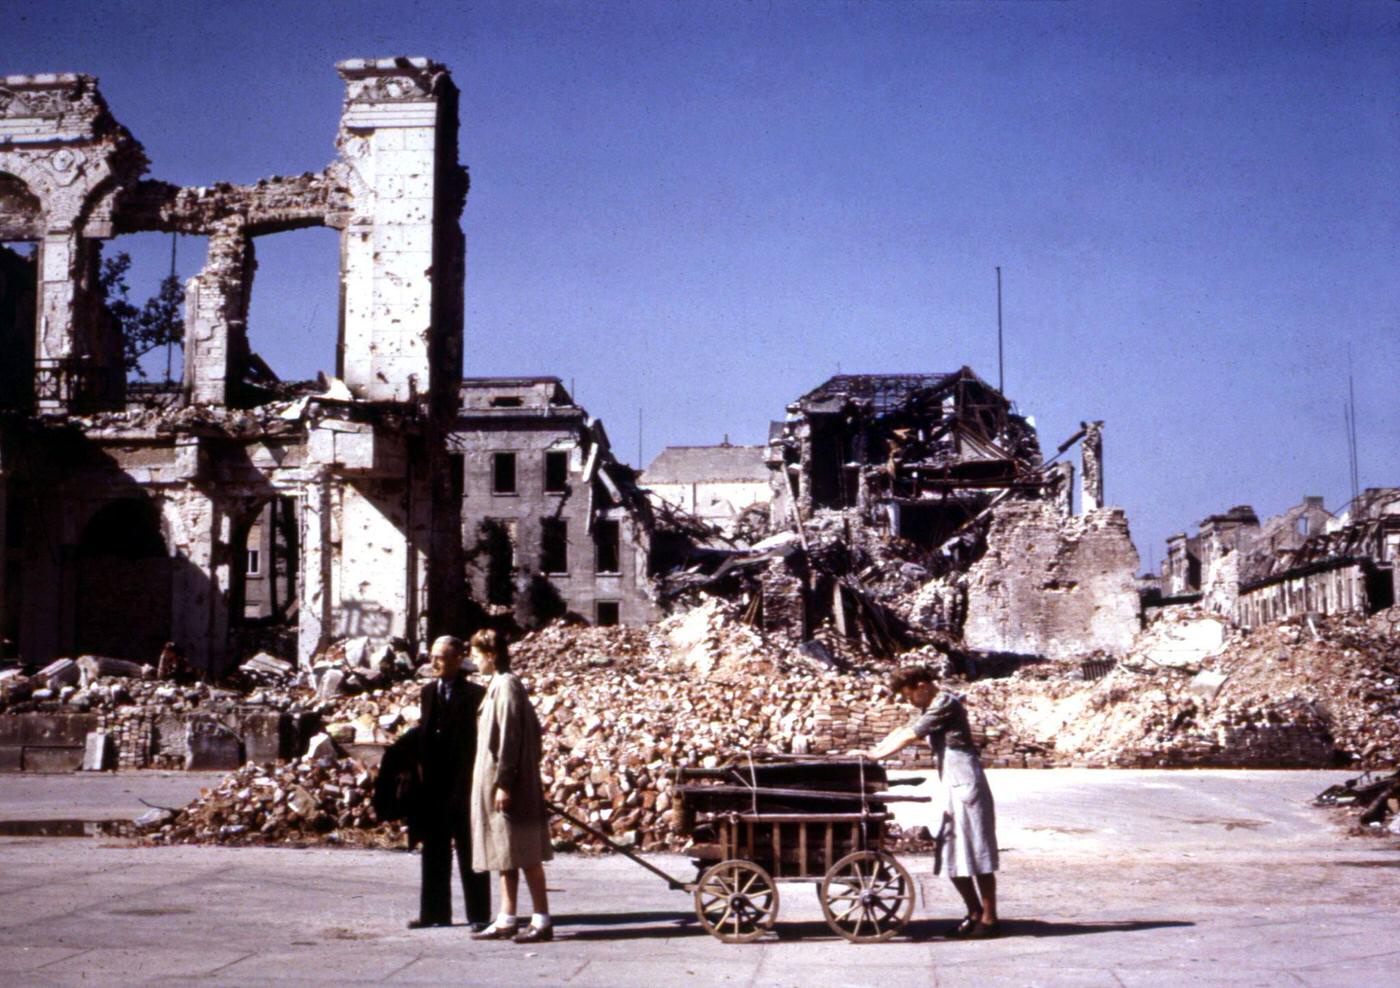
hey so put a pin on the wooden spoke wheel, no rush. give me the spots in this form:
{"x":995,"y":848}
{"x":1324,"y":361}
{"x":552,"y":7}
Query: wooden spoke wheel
{"x":737,"y":901}
{"x":867,"y":896}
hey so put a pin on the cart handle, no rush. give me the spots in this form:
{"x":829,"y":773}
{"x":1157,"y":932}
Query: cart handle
{"x":670,"y":881}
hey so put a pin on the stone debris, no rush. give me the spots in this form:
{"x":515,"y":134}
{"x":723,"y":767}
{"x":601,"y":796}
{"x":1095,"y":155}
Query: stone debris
{"x":1376,"y":801}
{"x":323,"y":798}
{"x":623,"y":708}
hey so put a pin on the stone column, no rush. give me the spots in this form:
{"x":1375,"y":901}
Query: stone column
{"x":314,"y":584}
{"x":1091,"y":449}
{"x":216,"y":319}
{"x":199,"y":534}
{"x":55,"y":343}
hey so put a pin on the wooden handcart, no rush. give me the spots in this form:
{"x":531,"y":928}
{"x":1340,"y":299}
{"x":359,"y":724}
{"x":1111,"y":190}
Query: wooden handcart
{"x":763,"y":819}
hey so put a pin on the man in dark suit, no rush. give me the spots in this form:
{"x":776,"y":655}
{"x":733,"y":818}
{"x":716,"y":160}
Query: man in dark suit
{"x":449,"y":704}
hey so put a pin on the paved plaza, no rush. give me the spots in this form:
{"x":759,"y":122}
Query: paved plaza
{"x":1109,"y":878}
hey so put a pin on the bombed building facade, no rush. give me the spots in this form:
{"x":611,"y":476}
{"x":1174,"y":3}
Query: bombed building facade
{"x":132,"y":519}
{"x":553,"y":525}
{"x":903,"y":504}
{"x":1304,"y":560}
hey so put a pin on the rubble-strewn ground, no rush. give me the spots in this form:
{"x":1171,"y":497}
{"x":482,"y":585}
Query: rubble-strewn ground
{"x":622,"y":707}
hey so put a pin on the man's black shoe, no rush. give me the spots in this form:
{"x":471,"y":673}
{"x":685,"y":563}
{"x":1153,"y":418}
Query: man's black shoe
{"x":422,"y":924}
{"x":476,"y":927}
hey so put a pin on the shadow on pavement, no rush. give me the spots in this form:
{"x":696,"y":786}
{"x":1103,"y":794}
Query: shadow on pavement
{"x":667,"y":924}
{"x":929,"y":929}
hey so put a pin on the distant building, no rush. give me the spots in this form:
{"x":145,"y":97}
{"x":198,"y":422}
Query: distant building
{"x":1304,"y":559}
{"x":713,"y":483}
{"x":551,"y":522}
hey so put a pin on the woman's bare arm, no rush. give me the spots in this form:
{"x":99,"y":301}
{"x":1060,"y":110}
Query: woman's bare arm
{"x":897,"y":740}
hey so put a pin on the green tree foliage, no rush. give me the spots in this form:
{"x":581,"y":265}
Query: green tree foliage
{"x":160,"y":321}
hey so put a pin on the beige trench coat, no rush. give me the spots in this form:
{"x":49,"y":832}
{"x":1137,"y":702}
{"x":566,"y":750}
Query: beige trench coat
{"x":508,"y":756}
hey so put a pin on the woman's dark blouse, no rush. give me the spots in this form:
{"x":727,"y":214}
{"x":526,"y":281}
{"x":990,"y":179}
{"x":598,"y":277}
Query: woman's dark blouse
{"x":944,"y":725}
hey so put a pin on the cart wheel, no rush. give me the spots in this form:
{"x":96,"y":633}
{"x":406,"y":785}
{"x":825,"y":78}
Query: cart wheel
{"x":867,"y":896}
{"x":736,"y":901}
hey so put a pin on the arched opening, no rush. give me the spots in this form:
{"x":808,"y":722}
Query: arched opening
{"x":21,"y":226}
{"x":123,"y":573}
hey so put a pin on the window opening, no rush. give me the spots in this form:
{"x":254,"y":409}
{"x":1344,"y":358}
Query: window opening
{"x":141,"y":282}
{"x":254,"y":564}
{"x":606,"y":539}
{"x":607,"y":613}
{"x":556,"y":471}
{"x":554,"y":545}
{"x":503,"y":473}
{"x":294,"y":304}
{"x":507,"y":401}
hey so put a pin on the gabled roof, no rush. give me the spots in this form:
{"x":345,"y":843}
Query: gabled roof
{"x":701,"y":464}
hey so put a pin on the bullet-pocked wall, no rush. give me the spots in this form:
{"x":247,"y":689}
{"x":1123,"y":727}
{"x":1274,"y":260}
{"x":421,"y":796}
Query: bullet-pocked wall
{"x":369,"y":547}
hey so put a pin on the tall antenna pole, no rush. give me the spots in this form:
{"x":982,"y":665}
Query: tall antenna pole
{"x":1351,"y":427}
{"x":1001,"y":366}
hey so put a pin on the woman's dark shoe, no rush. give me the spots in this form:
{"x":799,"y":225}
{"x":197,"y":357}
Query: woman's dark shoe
{"x":968,"y":924}
{"x":985,"y":931}
{"x":535,"y":934}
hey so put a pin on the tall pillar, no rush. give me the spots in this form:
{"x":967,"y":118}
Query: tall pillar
{"x":1091,"y":449}
{"x":314,"y":583}
{"x":398,"y":139}
{"x":216,"y":319}
{"x":1064,"y":488}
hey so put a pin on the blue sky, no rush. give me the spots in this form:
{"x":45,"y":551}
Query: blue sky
{"x":701,"y":210}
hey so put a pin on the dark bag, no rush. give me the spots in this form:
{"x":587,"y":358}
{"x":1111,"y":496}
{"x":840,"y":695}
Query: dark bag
{"x":397,"y":787}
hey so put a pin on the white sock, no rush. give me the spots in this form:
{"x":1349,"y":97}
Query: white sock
{"x":540,"y":920}
{"x":506,"y":919}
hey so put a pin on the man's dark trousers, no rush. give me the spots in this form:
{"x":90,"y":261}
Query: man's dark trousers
{"x":449,"y":749}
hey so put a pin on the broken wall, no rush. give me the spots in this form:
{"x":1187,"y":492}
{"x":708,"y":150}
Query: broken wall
{"x":1053,"y":586}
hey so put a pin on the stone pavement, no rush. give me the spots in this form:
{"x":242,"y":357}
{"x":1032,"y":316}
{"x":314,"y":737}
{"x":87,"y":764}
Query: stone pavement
{"x":1109,"y":878}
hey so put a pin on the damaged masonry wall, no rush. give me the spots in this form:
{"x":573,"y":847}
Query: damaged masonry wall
{"x":129,"y":519}
{"x":1054,"y":586}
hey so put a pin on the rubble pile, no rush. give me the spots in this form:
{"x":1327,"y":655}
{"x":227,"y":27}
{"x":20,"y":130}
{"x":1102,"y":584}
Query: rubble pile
{"x":622,"y":707}
{"x":320,"y":797}
{"x":1376,"y":801}
{"x":1195,"y":691}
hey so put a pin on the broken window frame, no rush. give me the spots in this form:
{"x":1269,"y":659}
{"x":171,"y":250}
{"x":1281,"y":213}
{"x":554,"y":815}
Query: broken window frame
{"x":498,"y":461}
{"x":614,"y":619}
{"x":554,"y":546}
{"x":556,"y":471}
{"x":603,"y":543}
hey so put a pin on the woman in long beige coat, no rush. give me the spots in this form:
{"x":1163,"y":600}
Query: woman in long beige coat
{"x":510,"y":825}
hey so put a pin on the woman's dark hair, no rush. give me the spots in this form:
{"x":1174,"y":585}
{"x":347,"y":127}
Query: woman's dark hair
{"x":908,"y":676}
{"x":493,"y":643}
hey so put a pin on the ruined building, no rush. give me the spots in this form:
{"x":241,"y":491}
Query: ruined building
{"x":127,"y":520}
{"x":552,"y":523}
{"x":1303,"y":560}
{"x":715,"y":484}
{"x":922,"y":452}
{"x":932,"y":485}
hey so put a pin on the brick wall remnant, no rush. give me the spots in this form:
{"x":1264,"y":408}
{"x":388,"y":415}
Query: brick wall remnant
{"x":1053,"y":586}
